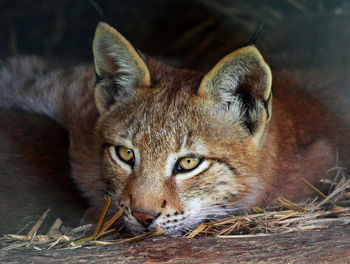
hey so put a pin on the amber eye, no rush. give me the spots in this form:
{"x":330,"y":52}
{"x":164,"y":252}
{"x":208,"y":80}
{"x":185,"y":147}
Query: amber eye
{"x":125,"y":154}
{"x":188,"y":163}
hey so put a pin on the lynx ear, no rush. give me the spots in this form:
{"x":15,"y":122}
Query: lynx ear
{"x":242,"y":81}
{"x":119,"y":68}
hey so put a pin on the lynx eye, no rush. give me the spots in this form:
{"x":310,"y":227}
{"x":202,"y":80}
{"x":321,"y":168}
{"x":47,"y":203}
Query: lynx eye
{"x":125,"y":154}
{"x":188,"y":163}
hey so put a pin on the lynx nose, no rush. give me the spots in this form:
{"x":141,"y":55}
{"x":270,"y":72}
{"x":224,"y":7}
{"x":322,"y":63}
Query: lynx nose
{"x":143,"y":218}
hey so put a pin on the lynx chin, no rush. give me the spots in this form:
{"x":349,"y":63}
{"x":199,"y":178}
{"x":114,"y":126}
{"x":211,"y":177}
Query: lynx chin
{"x":173,"y":146}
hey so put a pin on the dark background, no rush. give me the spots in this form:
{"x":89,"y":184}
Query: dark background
{"x":311,"y":37}
{"x":193,"y":32}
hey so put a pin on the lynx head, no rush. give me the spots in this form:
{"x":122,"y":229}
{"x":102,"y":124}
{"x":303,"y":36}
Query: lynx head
{"x":178,"y":146}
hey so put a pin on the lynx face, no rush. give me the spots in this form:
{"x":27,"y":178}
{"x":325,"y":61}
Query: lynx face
{"x":177,"y":147}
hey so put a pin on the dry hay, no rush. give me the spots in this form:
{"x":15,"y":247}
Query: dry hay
{"x":326,"y":211}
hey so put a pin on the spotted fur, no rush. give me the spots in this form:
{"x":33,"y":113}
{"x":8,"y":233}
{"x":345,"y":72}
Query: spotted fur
{"x":253,"y":148}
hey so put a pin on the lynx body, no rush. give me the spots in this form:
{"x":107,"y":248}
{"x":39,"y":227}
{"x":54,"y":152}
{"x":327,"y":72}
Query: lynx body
{"x":173,"y":146}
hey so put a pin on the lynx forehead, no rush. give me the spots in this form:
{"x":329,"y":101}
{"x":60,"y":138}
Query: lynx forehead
{"x":178,"y":147}
{"x":173,"y":146}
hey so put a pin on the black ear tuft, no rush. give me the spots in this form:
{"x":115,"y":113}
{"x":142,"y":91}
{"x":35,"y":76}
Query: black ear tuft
{"x":255,"y":36}
{"x":98,"y":10}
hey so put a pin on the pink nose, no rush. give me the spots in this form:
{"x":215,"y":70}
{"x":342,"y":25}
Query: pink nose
{"x":144,"y":219}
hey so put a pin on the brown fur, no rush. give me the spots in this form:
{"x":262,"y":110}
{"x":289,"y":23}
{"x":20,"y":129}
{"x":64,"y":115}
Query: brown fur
{"x":251,"y":154}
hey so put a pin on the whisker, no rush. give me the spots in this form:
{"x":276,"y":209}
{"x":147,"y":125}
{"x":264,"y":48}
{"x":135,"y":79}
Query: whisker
{"x":111,"y":195}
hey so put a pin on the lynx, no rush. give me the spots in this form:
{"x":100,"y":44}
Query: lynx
{"x":173,"y":146}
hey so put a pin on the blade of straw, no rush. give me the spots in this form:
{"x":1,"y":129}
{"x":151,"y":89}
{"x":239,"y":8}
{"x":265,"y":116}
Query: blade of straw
{"x":110,"y":222}
{"x":38,"y":223}
{"x":102,"y":216}
{"x":314,"y":188}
